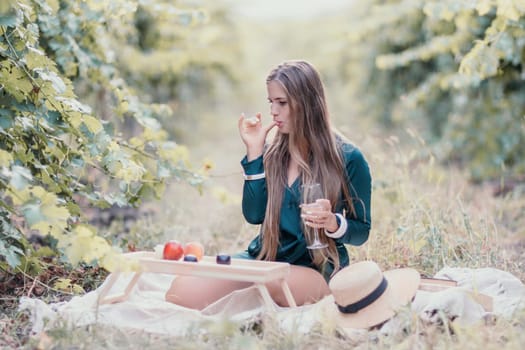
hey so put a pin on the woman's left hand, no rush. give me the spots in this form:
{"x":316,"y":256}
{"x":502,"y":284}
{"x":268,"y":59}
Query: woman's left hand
{"x":319,"y":215}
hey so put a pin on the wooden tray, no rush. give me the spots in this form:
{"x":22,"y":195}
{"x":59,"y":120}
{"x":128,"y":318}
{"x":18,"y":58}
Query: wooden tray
{"x":256,"y":271}
{"x":438,"y":284}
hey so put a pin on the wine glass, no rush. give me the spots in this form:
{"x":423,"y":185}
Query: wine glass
{"x":310,"y":193}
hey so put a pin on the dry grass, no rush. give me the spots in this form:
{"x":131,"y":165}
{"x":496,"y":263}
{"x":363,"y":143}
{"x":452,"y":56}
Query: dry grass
{"x":425,"y":216}
{"x":428,"y":216}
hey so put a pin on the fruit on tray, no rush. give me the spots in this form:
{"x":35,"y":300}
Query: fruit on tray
{"x":223,"y":259}
{"x":173,"y":250}
{"x":194,"y":248}
{"x":191,"y":257}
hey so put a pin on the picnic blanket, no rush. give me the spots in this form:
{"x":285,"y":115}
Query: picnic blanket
{"x":146,"y":309}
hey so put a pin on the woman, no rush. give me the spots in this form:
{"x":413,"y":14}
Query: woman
{"x":305,"y":149}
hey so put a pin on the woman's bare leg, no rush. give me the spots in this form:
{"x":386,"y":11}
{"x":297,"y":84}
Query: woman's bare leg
{"x":198,"y":292}
{"x":306,"y":284}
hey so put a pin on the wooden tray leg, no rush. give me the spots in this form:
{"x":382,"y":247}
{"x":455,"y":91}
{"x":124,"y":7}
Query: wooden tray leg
{"x":117,"y":298}
{"x":266,"y":296}
{"x":288,"y":294}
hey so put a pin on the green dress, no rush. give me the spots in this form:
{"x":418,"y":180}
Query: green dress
{"x":292,"y":243}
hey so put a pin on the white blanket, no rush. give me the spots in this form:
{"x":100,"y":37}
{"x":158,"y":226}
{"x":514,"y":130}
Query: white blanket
{"x":146,"y":309}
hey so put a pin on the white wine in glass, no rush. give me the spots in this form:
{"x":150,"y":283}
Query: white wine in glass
{"x":311,"y":193}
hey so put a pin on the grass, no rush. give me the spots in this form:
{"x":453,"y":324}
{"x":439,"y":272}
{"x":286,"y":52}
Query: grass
{"x":425,"y":216}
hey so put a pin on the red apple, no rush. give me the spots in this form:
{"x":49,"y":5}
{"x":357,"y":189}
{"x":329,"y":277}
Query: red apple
{"x":173,"y":250}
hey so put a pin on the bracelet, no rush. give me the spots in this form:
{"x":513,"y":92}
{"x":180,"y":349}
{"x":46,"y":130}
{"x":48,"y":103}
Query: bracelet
{"x":254,"y":177}
{"x":343,"y":225}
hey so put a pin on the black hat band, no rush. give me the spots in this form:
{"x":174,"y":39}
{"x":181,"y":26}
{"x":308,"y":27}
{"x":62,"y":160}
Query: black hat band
{"x":369,"y":299}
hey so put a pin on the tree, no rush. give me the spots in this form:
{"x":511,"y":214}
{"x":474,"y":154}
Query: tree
{"x":58,"y":153}
{"x":453,"y":68}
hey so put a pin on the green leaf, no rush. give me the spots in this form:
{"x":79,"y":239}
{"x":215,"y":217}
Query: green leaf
{"x":57,"y":83}
{"x":20,"y":177}
{"x":11,"y":241}
{"x":36,"y":58}
{"x":5,"y":158}
{"x":45,"y":251}
{"x":74,"y":105}
{"x":66,"y":285}
{"x":484,"y":7}
{"x":482,"y":61}
{"x":92,"y":124}
{"x":15,"y":81}
{"x":163,"y":170}
{"x":99,"y":144}
{"x":84,"y":245}
{"x":32,"y":212}
{"x":51,"y":184}
{"x":11,"y":253}
{"x":73,"y":208}
{"x":5,"y":6}
{"x":6,"y":118}
{"x":48,"y":6}
{"x":9,"y":18}
{"x":508,"y":10}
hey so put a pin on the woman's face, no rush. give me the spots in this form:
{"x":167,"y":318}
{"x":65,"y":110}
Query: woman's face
{"x":279,"y":106}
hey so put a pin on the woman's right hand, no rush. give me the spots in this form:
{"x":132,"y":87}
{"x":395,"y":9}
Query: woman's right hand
{"x":253,"y":134}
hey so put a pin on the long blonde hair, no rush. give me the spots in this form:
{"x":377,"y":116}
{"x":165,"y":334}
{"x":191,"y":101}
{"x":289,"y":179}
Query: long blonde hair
{"x":313,"y":144}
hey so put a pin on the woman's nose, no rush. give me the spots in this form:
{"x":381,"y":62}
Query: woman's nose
{"x":274,"y":110}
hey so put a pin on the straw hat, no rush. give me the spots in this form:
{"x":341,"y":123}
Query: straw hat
{"x":366,"y":297}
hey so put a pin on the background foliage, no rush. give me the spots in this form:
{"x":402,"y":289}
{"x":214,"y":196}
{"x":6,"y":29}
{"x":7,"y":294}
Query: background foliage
{"x":453,"y":69}
{"x":88,"y":94}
